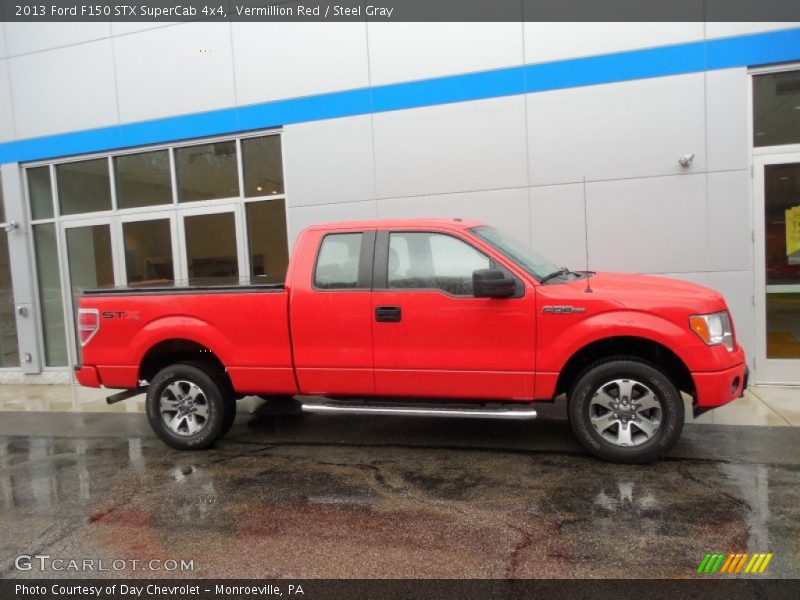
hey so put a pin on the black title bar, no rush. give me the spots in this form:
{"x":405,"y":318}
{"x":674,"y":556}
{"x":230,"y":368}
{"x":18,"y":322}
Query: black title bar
{"x":384,"y":589}
{"x":399,"y":10}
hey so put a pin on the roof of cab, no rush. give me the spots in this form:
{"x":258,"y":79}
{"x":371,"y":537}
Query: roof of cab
{"x":455,"y":223}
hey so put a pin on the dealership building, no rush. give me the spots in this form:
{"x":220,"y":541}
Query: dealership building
{"x":143,"y":153}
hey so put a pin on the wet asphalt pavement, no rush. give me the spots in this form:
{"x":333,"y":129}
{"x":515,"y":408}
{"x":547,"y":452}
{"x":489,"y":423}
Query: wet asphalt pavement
{"x":307,"y":496}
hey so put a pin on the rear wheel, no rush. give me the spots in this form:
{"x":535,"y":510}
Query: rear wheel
{"x":187,"y":407}
{"x":626,"y":411}
{"x":225,"y":385}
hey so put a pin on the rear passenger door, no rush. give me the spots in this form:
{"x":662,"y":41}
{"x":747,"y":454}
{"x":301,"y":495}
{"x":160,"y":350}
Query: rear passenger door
{"x":432,"y":337}
{"x":331,"y":318}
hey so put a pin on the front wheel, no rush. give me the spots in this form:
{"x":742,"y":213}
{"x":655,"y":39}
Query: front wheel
{"x":187,"y":407}
{"x":626,"y":411}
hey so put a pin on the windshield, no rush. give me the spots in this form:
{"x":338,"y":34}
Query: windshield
{"x":536,"y":265}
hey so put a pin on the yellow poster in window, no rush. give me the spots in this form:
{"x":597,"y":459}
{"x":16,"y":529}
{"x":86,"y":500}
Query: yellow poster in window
{"x":793,"y":235}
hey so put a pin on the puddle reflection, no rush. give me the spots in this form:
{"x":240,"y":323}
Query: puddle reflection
{"x":549,"y":511}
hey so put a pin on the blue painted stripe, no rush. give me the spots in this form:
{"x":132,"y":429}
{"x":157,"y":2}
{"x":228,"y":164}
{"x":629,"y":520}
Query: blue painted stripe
{"x":690,"y":57}
{"x":622,"y":66}
{"x":754,"y":50}
{"x":445,"y":90}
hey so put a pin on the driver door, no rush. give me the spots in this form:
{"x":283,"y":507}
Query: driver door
{"x":432,"y":337}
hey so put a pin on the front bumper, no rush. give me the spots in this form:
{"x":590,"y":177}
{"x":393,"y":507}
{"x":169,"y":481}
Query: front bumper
{"x":719,"y":387}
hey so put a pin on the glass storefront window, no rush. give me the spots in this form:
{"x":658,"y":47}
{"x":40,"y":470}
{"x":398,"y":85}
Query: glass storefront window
{"x":9,"y":354}
{"x":143,"y":179}
{"x":776,"y":109}
{"x":263,"y":166}
{"x":269,"y":249}
{"x":211,"y":249}
{"x":141,"y":245}
{"x":782,"y":259}
{"x":148,"y":252}
{"x":50,"y":305}
{"x":207,"y":171}
{"x":83,"y":186}
{"x":89,"y":261}
{"x":89,"y":257}
{"x":40,"y":192}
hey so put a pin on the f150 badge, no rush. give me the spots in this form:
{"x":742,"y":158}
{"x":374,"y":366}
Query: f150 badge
{"x":562,"y":309}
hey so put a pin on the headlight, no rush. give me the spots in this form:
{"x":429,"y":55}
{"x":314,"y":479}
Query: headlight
{"x":713,"y":329}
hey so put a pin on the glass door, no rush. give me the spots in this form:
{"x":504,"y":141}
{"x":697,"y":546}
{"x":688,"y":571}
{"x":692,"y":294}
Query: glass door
{"x":212,"y":249}
{"x":90,"y":261}
{"x":148,"y":245}
{"x":9,"y":353}
{"x":777,"y":267}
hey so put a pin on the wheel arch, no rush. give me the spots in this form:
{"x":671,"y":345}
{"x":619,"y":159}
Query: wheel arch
{"x":173,"y":350}
{"x":631,"y":347}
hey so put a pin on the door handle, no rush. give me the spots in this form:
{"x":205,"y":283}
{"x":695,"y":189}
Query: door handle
{"x":388,"y":314}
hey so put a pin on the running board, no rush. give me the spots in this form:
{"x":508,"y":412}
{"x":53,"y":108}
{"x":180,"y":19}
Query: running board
{"x":517,"y":414}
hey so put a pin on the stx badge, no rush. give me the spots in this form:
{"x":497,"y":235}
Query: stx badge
{"x":132,"y":315}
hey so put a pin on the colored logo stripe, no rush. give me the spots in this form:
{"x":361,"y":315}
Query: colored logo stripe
{"x":758,"y":563}
{"x":733,"y":563}
{"x":736,"y":563}
{"x":728,"y":563}
{"x":766,"y":562}
{"x":711,"y":562}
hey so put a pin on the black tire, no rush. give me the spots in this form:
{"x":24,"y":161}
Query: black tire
{"x":212,"y":398}
{"x":621,"y":434}
{"x":230,"y":417}
{"x":225,"y":385}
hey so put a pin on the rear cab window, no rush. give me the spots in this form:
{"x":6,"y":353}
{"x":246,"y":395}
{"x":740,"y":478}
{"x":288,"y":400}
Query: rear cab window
{"x":344,"y":261}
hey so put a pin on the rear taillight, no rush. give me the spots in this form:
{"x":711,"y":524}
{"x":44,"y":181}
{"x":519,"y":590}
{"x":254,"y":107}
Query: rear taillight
{"x":88,"y":324}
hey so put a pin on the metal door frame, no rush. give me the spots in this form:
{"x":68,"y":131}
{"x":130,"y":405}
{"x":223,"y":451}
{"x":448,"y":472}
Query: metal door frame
{"x":66,"y":285}
{"x":780,"y":371}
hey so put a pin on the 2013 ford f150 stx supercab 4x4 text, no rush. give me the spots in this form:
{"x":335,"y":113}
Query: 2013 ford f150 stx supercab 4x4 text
{"x":421,"y":317}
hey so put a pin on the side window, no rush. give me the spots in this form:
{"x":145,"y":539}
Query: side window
{"x":433,"y":261}
{"x":337,"y":262}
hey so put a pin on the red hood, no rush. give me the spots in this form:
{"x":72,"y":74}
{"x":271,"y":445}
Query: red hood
{"x":650,"y":293}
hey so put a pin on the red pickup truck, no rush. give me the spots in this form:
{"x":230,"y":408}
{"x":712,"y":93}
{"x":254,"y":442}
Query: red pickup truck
{"x":426,"y":317}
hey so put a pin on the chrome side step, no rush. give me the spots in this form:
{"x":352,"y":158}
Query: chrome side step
{"x":518,"y":414}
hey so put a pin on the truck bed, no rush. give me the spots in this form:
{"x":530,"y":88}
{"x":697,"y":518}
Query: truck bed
{"x":246,"y":326}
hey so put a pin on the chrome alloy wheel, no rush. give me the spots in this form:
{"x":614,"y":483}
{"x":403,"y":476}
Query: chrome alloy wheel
{"x":625,"y":412}
{"x":184,"y":407}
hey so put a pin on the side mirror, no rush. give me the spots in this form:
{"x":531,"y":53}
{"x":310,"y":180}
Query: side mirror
{"x":492,"y":283}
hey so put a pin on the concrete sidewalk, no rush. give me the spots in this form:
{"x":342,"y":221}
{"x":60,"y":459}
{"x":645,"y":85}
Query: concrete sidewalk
{"x":762,"y":405}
